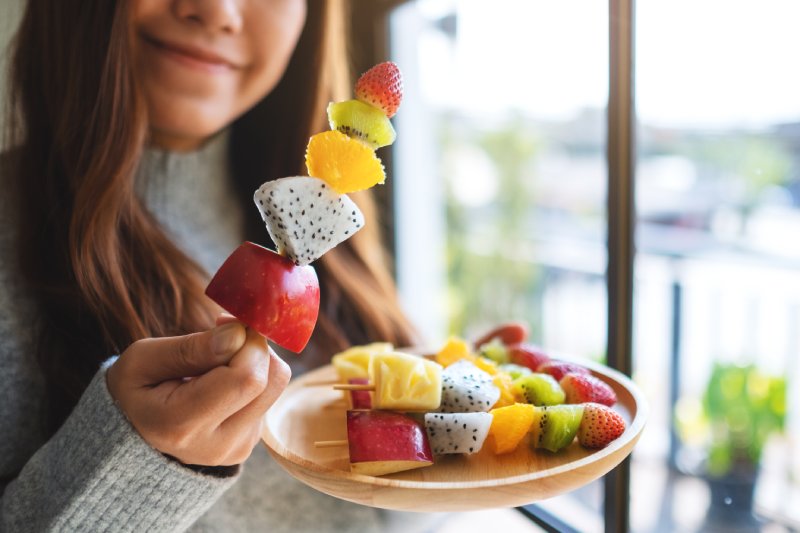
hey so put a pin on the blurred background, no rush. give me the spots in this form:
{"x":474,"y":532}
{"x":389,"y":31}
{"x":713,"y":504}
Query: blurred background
{"x":500,"y":184}
{"x":497,"y":211}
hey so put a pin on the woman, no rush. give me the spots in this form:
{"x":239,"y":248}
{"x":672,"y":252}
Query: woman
{"x":125,"y":188}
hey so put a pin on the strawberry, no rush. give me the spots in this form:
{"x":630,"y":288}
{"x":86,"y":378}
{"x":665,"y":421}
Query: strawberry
{"x":599,"y":426}
{"x":382,"y":87}
{"x":559,"y":369}
{"x":528,"y":355}
{"x":508,"y":333}
{"x":583,"y":388}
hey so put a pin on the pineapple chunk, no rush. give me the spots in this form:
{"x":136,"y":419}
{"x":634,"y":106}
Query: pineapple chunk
{"x":405,"y":382}
{"x":354,"y":362}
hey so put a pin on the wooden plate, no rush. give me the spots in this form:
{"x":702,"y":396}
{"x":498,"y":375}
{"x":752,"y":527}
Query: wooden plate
{"x":310,"y":411}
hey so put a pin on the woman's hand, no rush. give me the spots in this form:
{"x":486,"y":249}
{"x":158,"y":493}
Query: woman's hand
{"x":200,"y":398}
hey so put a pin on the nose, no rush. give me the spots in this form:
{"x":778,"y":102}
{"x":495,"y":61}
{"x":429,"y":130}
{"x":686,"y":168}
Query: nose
{"x":214,"y":15}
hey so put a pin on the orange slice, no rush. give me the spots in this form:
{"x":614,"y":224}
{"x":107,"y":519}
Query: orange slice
{"x":344,"y":163}
{"x":510,"y":424}
{"x":487,"y":365}
{"x":503,"y":381}
{"x":454,"y":350}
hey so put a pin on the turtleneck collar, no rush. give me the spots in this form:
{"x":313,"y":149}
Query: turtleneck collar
{"x":192,"y":195}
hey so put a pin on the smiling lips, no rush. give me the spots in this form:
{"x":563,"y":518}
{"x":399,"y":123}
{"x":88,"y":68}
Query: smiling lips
{"x":192,"y":56}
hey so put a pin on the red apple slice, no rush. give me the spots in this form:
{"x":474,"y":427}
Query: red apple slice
{"x":383,"y":442}
{"x":269,"y":293}
{"x":360,"y":399}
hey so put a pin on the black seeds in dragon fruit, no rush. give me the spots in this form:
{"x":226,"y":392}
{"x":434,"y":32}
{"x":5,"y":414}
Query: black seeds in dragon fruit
{"x":467,"y":389}
{"x":450,"y":433}
{"x":303,"y":229}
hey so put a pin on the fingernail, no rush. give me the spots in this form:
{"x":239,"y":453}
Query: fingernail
{"x":227,"y":338}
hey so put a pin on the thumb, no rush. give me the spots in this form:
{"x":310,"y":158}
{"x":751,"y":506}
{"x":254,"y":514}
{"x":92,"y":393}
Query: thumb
{"x":161,"y":359}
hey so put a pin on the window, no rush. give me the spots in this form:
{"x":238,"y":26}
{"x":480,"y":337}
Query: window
{"x":500,"y":186}
{"x":717,"y":286}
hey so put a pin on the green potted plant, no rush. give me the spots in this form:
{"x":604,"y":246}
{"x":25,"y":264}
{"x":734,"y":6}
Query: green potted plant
{"x":740,"y":410}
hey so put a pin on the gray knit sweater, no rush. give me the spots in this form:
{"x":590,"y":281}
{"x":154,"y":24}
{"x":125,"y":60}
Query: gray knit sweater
{"x":96,"y":473}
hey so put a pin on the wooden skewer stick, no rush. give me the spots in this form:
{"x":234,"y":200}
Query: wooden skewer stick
{"x":354,"y":386}
{"x":325,"y":383}
{"x":330,"y":443}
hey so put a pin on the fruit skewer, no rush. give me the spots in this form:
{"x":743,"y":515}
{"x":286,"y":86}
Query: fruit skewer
{"x":547,"y":427}
{"x":400,"y":381}
{"x":549,"y":423}
{"x":383,"y":442}
{"x":277,"y":292}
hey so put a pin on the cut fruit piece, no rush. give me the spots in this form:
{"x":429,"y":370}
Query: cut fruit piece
{"x":585,"y":388}
{"x":467,"y":389}
{"x":527,"y":355}
{"x":361,"y":121}
{"x":305,"y":217}
{"x":269,"y":293}
{"x":599,"y":426}
{"x":515,"y":371}
{"x":559,"y":369}
{"x":508,"y":333}
{"x":347,"y":165}
{"x":505,"y":384}
{"x":354,"y":362}
{"x":539,"y":389}
{"x":405,"y":382}
{"x":509,"y":426}
{"x":382,"y":442}
{"x":487,"y":365}
{"x":359,"y":399}
{"x":450,"y":433}
{"x":382,"y":87}
{"x":554,"y":427}
{"x":495,"y":350}
{"x":454,"y":350}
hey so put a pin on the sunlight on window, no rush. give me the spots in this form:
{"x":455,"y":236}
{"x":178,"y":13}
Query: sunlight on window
{"x":717,"y":63}
{"x":501,"y":190}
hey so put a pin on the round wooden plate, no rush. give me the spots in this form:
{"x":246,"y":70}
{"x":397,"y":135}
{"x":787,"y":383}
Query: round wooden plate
{"x":310,"y":410}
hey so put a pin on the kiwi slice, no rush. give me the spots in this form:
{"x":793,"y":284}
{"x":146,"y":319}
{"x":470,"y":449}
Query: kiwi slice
{"x":515,"y":371}
{"x":539,"y":389}
{"x":361,"y":121}
{"x":554,"y":427}
{"x":496,"y":351}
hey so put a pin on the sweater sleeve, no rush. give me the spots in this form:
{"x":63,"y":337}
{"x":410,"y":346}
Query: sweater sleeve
{"x":97,"y":474}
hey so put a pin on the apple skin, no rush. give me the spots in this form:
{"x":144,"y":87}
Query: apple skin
{"x":528,"y":355}
{"x":269,"y":293}
{"x":383,"y":442}
{"x":360,"y":399}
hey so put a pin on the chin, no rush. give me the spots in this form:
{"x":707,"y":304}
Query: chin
{"x":187,"y":126}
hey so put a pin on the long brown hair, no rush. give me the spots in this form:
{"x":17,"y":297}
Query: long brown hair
{"x":99,"y":266}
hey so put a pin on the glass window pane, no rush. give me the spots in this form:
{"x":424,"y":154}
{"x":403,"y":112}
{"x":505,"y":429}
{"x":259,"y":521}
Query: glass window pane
{"x":717,"y":287}
{"x":500,"y":175}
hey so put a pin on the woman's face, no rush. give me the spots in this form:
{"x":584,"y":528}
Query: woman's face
{"x":202,"y":63}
